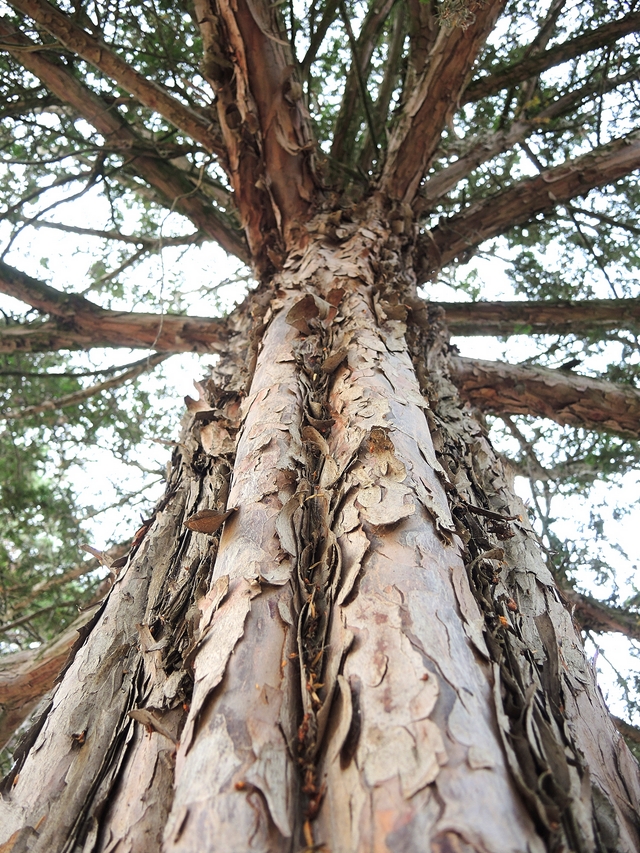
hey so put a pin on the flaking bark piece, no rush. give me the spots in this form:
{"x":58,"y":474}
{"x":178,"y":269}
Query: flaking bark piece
{"x":208,"y":520}
{"x":151,"y":723}
{"x":333,"y":361}
{"x":310,"y":307}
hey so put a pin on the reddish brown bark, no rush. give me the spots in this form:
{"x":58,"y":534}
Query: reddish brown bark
{"x":602,"y":36}
{"x":593,"y":615}
{"x":80,"y":324}
{"x":266,"y":132}
{"x":562,"y":396}
{"x":432,"y":102}
{"x":487,"y":147}
{"x":457,"y":237}
{"x":546,"y":317}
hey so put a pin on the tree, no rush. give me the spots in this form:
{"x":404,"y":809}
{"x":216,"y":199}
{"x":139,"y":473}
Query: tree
{"x":338,"y":630}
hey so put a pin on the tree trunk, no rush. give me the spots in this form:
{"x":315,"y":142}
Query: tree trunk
{"x":372,"y":656}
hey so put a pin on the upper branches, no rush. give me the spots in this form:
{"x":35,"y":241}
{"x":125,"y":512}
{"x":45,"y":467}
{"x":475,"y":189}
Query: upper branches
{"x":460,"y":234}
{"x":432,"y":101}
{"x":532,"y":65}
{"x":149,"y":93}
{"x":173,"y":184}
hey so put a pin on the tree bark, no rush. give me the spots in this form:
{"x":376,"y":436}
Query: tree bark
{"x":372,"y":655}
{"x":563,"y":396}
{"x":26,"y":676}
{"x":457,"y":236}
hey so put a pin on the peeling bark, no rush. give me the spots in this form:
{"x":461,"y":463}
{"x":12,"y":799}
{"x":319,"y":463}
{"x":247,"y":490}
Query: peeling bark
{"x":562,"y":396}
{"x":265,"y":127}
{"x":427,"y":109}
{"x":26,"y":676}
{"x":369,"y":655}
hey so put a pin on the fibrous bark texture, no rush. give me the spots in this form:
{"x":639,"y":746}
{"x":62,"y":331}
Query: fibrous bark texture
{"x":565,"y":397}
{"x":370,"y":655}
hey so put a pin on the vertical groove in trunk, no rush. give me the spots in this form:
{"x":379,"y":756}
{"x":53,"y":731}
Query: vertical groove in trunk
{"x":372,"y":657}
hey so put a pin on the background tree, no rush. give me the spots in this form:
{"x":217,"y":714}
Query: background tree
{"x":419,"y":676}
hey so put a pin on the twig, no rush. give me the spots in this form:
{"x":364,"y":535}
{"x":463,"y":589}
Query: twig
{"x":79,"y":396}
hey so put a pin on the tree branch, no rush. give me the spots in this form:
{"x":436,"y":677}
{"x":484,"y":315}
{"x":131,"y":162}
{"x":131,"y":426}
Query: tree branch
{"x":483,"y":149}
{"x":149,"y":93}
{"x":83,"y":394}
{"x":433,"y":101}
{"x":588,"y":317}
{"x":532,"y":65}
{"x":174,"y":186}
{"x":393,"y":65}
{"x":460,"y":234}
{"x":80,"y":324}
{"x":361,"y":53}
{"x":593,"y":615}
{"x":149,"y":243}
{"x":328,"y":17}
{"x":265,"y":126}
{"x":561,"y":396}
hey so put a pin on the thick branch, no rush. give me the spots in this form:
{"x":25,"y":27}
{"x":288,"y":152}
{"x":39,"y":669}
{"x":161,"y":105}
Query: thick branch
{"x":79,"y":324}
{"x":606,"y":35}
{"x":564,"y":397}
{"x":593,"y":615}
{"x":174,"y":186}
{"x":432,"y":102}
{"x":589,"y":317}
{"x":264,"y":123}
{"x":149,"y":93}
{"x":460,"y":234}
{"x":626,"y":729}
